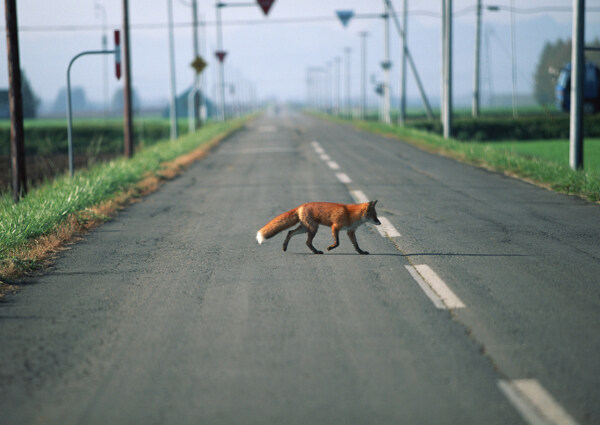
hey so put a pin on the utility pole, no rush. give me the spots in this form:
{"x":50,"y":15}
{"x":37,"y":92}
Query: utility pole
{"x":363,"y":76}
{"x":402,"y":116}
{"x":448,"y":72}
{"x":173,"y":108}
{"x":386,"y":65}
{"x":577,"y":82}
{"x":127,"y":110}
{"x":15,"y":101}
{"x":475,"y":109}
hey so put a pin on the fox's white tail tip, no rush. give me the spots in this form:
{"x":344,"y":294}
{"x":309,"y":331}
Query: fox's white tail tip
{"x":259,"y":238}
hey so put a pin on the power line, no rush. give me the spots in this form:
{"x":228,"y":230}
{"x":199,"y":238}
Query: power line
{"x":301,"y":20}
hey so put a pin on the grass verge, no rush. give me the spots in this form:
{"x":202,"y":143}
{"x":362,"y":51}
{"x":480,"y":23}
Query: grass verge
{"x":557,"y":176}
{"x":54,"y":213}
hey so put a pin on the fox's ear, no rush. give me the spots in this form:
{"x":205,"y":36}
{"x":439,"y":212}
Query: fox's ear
{"x":373,"y":203}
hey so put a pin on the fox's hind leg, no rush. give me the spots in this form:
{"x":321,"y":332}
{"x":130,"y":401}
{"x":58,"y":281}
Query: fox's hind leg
{"x":296,"y":231}
{"x":311,"y":235}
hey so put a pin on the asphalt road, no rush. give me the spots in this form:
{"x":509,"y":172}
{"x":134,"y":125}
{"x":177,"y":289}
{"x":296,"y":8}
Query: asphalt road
{"x":172,"y":314}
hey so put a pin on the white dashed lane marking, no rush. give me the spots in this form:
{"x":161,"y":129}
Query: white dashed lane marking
{"x":386,"y":228}
{"x":359,"y":196}
{"x":434,"y":287}
{"x":343,"y":177}
{"x":534,"y":403}
{"x":333,"y":165}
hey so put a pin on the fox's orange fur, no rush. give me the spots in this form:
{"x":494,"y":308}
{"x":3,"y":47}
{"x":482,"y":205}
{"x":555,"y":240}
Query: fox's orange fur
{"x":311,"y":215}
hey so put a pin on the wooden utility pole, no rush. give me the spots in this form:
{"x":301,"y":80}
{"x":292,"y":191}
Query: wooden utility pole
{"x":127,"y":111}
{"x":15,"y":100}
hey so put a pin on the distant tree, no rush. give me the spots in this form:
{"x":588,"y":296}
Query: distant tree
{"x":117,"y":100}
{"x":78,"y":100}
{"x":30,"y":100}
{"x":552,"y":59}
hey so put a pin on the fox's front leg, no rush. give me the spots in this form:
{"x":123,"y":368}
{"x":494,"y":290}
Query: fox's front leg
{"x":335,"y":232}
{"x":352,"y":237}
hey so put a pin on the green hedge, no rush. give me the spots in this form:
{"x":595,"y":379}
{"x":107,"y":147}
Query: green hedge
{"x":499,"y":128}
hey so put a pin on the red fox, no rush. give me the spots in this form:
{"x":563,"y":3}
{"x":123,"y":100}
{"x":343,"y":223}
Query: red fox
{"x":337,"y":216}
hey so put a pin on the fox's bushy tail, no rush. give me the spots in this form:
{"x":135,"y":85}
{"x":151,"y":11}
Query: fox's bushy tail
{"x":278,"y":224}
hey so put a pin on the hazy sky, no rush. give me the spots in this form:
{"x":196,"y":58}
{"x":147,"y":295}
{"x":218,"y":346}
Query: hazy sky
{"x":273,"y":52}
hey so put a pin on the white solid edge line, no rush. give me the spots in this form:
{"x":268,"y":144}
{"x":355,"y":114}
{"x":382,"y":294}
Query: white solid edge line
{"x":386,"y":228}
{"x":437,"y":301}
{"x":333,"y":165}
{"x":534,"y":403}
{"x":359,"y":196}
{"x":343,"y":177}
{"x":439,"y":286}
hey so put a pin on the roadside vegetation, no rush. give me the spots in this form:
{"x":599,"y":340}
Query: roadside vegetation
{"x":53,"y":212}
{"x":541,"y":161}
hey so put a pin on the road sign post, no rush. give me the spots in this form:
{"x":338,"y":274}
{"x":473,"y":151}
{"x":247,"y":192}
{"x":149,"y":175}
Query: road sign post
{"x":265,"y":5}
{"x":117,"y":53}
{"x":577,"y":82}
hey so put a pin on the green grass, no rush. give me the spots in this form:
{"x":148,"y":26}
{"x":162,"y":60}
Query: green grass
{"x":546,"y":167}
{"x":553,"y":150}
{"x":48,"y":205}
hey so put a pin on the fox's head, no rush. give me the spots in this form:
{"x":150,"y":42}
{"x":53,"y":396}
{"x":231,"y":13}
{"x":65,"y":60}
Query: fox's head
{"x":372,"y":214}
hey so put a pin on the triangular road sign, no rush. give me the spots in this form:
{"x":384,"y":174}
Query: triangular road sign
{"x":345,"y":16}
{"x":221,"y":55}
{"x":265,"y":5}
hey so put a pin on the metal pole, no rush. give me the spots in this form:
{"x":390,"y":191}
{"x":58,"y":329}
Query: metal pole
{"x":402,"y":115}
{"x":448,"y":73}
{"x":513,"y":59}
{"x":203,"y":78}
{"x":70,"y":118}
{"x":386,"y":66}
{"x":69,"y":103}
{"x":475,"y":109}
{"x":411,"y":63}
{"x":347,"y":51}
{"x":127,"y":110}
{"x":577,"y":82}
{"x":328,"y":87}
{"x":197,"y":121}
{"x":363,"y":76}
{"x":221,"y":83}
{"x":338,"y":87}
{"x":15,"y":101}
{"x":173,"y":109}
{"x":102,"y":11}
{"x":443,"y":65}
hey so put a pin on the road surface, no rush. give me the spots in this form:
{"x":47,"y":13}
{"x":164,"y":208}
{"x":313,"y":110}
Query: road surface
{"x":479,"y":303}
